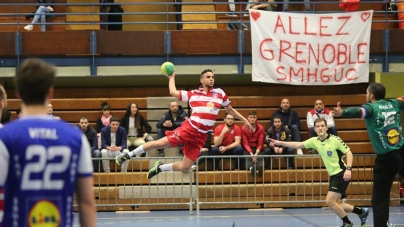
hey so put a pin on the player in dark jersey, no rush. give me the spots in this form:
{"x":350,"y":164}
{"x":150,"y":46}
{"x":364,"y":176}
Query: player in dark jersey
{"x":383,"y":124}
{"x":43,"y":161}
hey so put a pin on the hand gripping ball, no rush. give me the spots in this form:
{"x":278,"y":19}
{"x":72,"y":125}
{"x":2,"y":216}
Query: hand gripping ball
{"x":167,"y":68}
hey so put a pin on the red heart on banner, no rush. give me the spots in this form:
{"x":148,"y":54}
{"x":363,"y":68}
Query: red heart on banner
{"x":365,"y":16}
{"x":255,"y":15}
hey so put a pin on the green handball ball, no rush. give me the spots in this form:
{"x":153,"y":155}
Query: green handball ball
{"x":167,"y":68}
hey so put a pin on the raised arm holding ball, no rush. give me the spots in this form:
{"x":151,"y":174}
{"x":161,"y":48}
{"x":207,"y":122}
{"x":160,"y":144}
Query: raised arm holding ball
{"x":205,"y":103}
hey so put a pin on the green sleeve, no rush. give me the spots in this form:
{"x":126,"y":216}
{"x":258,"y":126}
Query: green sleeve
{"x":341,"y":145}
{"x":309,"y":143}
{"x":368,"y":110}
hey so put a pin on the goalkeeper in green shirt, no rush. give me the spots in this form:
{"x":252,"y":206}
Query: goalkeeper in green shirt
{"x":383,"y":124}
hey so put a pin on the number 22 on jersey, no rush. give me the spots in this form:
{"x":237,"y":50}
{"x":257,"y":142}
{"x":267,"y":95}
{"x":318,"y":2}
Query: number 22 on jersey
{"x":45,"y":168}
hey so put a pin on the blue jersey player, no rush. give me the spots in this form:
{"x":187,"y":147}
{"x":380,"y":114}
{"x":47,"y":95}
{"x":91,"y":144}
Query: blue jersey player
{"x":43,"y":161}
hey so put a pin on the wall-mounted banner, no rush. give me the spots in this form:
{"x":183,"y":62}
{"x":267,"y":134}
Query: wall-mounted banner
{"x":310,"y":49}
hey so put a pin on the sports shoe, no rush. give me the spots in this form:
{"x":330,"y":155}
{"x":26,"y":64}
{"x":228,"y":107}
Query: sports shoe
{"x":155,"y":170}
{"x":299,"y":151}
{"x":347,"y":225}
{"x":29,"y":27}
{"x":121,"y":158}
{"x":364,"y":216}
{"x":246,"y":13}
{"x":193,"y":167}
{"x":161,"y":153}
{"x":391,"y":224}
{"x":231,"y":14}
{"x":260,"y":170}
{"x":311,"y":151}
{"x":253,"y":170}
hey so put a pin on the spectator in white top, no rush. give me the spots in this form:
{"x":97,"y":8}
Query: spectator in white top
{"x":319,"y":111}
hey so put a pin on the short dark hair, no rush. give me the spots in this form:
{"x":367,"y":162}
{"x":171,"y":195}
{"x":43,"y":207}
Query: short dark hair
{"x":378,"y":90}
{"x":114,"y":119}
{"x":277,"y":117}
{"x":33,"y":80}
{"x":206,"y":71}
{"x":83,"y":118}
{"x":252,"y":112}
{"x":105,"y":106}
{"x":225,"y":116}
{"x":318,"y":120}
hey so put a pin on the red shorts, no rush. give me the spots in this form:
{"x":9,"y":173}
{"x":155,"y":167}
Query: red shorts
{"x":192,"y":139}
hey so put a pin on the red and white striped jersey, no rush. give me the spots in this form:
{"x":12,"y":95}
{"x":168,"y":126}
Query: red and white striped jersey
{"x":205,"y":106}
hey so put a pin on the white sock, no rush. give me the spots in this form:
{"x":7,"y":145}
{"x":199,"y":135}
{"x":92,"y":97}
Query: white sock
{"x":166,"y":167}
{"x":138,"y":150}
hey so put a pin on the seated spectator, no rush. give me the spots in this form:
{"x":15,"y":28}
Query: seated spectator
{"x":227,"y":140}
{"x":205,"y":151}
{"x":50,"y":111}
{"x":291,"y":119}
{"x":319,"y":111}
{"x":134,"y":124}
{"x":171,"y":120}
{"x":43,"y":7}
{"x":91,"y":135}
{"x":103,"y":121}
{"x":113,"y":139}
{"x":280,"y":132}
{"x":270,"y":6}
{"x":253,"y":143}
{"x":19,"y":112}
{"x":306,"y":5}
{"x":232,"y":8}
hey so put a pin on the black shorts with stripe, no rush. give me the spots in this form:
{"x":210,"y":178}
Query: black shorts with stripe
{"x":338,"y":184}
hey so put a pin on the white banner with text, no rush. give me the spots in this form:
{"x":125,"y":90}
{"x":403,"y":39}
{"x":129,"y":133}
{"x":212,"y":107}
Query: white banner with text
{"x":310,"y":49}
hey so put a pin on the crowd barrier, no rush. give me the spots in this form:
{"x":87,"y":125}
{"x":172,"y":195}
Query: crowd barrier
{"x":306,"y":185}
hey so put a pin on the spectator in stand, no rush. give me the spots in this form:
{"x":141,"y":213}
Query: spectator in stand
{"x":171,"y":120}
{"x":103,"y":121}
{"x":319,"y":111}
{"x":306,"y":5}
{"x":135,"y":124}
{"x":232,"y":8}
{"x":44,"y":9}
{"x":291,"y":119}
{"x":205,"y":151}
{"x":253,"y":143}
{"x":280,"y":132}
{"x":91,"y":136}
{"x":50,"y":111}
{"x":113,"y":139}
{"x":18,"y":112}
{"x":227,"y":140}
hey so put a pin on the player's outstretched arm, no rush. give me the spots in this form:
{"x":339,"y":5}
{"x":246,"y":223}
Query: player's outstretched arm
{"x":294,"y":145}
{"x":348,"y":112}
{"x":85,"y":195}
{"x":171,"y":85}
{"x":229,"y":109}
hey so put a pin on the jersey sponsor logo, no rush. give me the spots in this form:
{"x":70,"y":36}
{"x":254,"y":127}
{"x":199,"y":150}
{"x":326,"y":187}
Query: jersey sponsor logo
{"x":44,"y":214}
{"x":393,"y":136}
{"x":329,"y":153}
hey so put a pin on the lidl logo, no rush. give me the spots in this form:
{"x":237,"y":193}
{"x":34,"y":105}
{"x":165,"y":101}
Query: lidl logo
{"x":393,"y":136}
{"x":44,"y":214}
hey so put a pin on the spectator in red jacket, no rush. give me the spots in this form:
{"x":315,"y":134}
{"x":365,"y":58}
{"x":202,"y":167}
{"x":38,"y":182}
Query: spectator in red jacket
{"x":253,"y":142}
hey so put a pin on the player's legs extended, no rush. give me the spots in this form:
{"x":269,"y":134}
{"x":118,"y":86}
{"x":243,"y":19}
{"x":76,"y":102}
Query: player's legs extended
{"x":332,"y":201}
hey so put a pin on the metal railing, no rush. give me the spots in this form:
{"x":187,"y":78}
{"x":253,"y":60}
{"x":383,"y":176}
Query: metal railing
{"x":169,"y":13}
{"x":305,"y":185}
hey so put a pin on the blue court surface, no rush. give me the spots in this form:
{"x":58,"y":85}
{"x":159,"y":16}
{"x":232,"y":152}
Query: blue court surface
{"x":301,"y":217}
